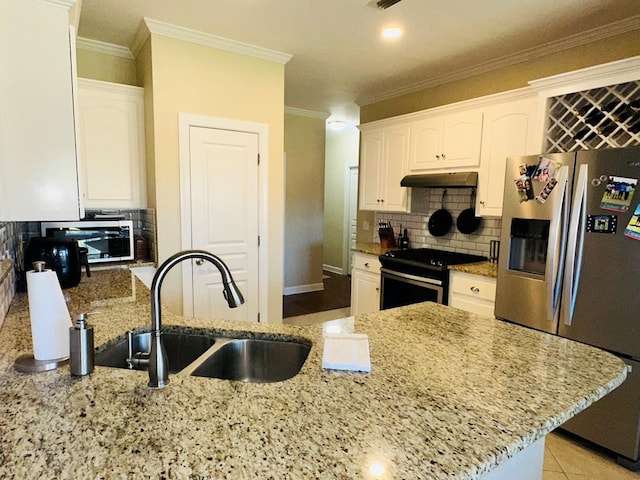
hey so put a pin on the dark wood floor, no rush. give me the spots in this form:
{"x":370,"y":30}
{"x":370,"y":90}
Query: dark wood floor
{"x":336,"y":294}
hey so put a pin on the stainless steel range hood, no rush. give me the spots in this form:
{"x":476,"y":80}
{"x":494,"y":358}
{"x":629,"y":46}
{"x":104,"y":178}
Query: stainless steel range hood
{"x":449,"y":180}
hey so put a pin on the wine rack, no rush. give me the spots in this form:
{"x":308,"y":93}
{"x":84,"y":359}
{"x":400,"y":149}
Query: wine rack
{"x":606,"y":117}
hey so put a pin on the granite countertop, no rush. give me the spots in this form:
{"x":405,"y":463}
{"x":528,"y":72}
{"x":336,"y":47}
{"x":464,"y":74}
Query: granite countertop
{"x":485,"y":269}
{"x":371,"y":248}
{"x":450,"y":395}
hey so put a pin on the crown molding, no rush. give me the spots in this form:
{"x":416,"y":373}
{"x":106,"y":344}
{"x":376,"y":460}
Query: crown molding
{"x":620,"y":71}
{"x":60,"y":3}
{"x":595,"y":34}
{"x":110,"y":87}
{"x":157,"y":27}
{"x":103,"y":47}
{"x":306,"y":113}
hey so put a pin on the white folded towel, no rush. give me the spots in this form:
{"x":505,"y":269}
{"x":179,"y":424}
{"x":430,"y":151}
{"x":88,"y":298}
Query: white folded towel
{"x":346,"y":351}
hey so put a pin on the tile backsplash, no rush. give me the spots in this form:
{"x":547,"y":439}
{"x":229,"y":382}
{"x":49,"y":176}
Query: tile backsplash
{"x":8,"y":257}
{"x":424,"y":202}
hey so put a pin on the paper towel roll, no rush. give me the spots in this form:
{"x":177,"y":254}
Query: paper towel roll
{"x":50,"y":319}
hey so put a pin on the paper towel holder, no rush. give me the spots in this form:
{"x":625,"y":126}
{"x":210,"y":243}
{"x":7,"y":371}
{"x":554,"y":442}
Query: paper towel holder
{"x":26,"y":363}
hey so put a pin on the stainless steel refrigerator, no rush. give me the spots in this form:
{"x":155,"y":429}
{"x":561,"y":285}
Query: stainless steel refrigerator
{"x":570,"y":265}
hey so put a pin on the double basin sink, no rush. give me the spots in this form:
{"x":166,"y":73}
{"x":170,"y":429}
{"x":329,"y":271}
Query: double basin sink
{"x":256,"y":359}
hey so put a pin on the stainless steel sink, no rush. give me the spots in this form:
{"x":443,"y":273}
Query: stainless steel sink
{"x":257,"y":360}
{"x":254,"y":360}
{"x":182,"y":349}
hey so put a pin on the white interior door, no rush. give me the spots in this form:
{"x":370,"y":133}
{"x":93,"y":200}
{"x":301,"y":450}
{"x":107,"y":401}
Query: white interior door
{"x":224,"y":219}
{"x":352,"y":215}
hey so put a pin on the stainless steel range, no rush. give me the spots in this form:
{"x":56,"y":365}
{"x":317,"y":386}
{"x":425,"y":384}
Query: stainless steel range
{"x":418,"y":275}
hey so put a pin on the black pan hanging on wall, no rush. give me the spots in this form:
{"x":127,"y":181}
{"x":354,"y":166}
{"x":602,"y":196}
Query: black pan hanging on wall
{"x":467,"y":221}
{"x":440,"y":221}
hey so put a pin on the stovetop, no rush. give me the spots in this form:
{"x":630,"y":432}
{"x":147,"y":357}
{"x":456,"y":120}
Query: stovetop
{"x":427,"y":258}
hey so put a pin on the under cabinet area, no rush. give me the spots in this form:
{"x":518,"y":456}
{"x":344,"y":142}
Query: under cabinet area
{"x":365,"y":284}
{"x":38,"y":163}
{"x":383,"y":164}
{"x":111,"y":127}
{"x":446,"y":141}
{"x":473,"y":293}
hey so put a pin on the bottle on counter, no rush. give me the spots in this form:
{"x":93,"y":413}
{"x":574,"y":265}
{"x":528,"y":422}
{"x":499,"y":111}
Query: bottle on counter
{"x":81,"y":353}
{"x":404,"y":240}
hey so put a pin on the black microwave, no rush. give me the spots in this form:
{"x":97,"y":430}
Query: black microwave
{"x":105,"y":240}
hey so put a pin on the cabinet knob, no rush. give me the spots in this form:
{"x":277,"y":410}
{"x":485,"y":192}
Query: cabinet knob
{"x":438,"y":157}
{"x":199,"y":261}
{"x":481,"y":202}
{"x":475,"y":289}
{"x":366,"y":264}
{"x":443,"y":156}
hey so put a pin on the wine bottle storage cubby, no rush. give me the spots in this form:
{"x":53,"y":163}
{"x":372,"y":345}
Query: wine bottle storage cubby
{"x":606,"y":117}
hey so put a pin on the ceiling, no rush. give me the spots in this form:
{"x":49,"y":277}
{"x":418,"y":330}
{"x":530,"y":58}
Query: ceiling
{"x":339,"y":60}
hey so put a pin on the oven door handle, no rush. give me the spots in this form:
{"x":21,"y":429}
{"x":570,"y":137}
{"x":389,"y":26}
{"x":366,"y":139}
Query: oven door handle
{"x":408,"y":276}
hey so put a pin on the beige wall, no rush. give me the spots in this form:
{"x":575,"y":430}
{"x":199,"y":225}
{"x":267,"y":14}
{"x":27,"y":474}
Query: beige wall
{"x":107,"y":68}
{"x":508,"y":78}
{"x":202,"y":80}
{"x":342,"y":149}
{"x":304,"y":144}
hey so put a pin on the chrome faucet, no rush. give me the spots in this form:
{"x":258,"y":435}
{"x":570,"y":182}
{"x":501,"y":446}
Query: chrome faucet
{"x":158,"y":365}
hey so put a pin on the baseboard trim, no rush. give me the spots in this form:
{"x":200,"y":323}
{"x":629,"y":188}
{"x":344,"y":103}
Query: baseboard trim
{"x":332,"y":269}
{"x":312,"y":287}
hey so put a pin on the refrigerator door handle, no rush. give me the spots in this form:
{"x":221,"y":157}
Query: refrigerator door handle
{"x":575,"y":245}
{"x":555,"y":249}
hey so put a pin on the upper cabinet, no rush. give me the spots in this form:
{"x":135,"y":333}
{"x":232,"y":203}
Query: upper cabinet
{"x":111,"y":127}
{"x":383,"y":164}
{"x":446,"y":141}
{"x":38,"y":170}
{"x":509,"y":130}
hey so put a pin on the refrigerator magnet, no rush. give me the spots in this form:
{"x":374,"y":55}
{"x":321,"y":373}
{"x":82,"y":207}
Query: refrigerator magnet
{"x":633,"y":227}
{"x":544,"y":194}
{"x":545,"y":170}
{"x":618,"y":193}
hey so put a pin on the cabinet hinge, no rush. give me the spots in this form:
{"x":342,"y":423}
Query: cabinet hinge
{"x":258,"y":317}
{"x":258,"y":240}
{"x":258,"y":159}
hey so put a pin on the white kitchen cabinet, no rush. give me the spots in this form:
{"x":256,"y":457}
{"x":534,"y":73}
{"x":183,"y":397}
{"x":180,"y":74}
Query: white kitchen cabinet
{"x":38,"y":162}
{"x":111,"y":126}
{"x":449,"y":141}
{"x":473,"y":293}
{"x":509,"y":130}
{"x":383,"y":164}
{"x":365,"y":284}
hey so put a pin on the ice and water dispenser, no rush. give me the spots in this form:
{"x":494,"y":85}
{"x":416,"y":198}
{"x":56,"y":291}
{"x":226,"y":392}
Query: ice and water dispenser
{"x":529,"y":242}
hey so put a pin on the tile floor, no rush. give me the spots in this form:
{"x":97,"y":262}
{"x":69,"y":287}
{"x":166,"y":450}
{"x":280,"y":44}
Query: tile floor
{"x":566,"y":457}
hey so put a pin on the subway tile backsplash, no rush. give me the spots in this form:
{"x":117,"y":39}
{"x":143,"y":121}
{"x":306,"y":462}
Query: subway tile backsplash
{"x":425,"y":201}
{"x":8,"y":256}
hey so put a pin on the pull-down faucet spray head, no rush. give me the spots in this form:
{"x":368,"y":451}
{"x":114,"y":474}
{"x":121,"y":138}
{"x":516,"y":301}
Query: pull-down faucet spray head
{"x":158,"y":365}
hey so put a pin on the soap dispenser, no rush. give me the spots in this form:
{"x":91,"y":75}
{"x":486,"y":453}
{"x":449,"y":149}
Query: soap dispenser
{"x":81,"y":353}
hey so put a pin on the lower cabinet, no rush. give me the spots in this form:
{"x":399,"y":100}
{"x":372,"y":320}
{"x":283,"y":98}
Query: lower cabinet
{"x":365,"y":284}
{"x":473,"y":293}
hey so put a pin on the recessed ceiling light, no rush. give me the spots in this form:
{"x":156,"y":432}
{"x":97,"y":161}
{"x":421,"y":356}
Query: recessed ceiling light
{"x":392,"y":32}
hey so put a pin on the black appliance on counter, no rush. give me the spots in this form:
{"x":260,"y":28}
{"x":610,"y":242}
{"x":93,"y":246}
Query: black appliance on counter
{"x":418,"y":275}
{"x":65,"y":257}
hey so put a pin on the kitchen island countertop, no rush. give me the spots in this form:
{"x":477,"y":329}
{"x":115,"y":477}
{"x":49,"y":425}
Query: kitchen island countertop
{"x":451,"y":395}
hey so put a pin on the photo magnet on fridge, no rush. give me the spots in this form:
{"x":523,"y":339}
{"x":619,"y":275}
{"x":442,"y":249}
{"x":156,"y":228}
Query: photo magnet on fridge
{"x":545,"y":170}
{"x":618,"y":193}
{"x":633,"y":227}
